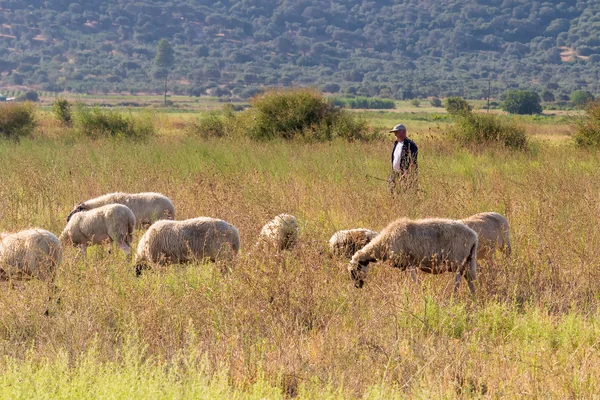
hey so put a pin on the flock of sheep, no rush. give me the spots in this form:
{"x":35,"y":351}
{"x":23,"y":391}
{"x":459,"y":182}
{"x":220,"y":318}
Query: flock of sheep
{"x":430,"y":245}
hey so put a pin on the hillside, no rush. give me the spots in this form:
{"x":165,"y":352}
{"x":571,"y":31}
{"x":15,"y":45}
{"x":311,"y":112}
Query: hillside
{"x":396,"y":49}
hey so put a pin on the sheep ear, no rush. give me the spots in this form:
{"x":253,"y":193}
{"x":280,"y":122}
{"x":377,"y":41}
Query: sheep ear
{"x":78,"y":208}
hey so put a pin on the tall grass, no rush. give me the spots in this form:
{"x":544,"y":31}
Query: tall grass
{"x":293,"y":324}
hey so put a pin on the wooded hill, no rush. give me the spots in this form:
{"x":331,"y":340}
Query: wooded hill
{"x":398,"y":49}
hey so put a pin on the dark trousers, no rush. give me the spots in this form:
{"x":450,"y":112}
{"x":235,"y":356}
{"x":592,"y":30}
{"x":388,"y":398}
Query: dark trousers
{"x":402,"y":181}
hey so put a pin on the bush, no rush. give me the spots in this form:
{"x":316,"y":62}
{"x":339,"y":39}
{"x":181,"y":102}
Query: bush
{"x":456,"y":105}
{"x":488,"y":129}
{"x":522,"y":102}
{"x":580,"y":98}
{"x":209,"y":125}
{"x":62,"y":111}
{"x":587,"y":130}
{"x":435,"y":102}
{"x":415,"y":102}
{"x":292,"y":113}
{"x":16,"y":120}
{"x":96,"y":122}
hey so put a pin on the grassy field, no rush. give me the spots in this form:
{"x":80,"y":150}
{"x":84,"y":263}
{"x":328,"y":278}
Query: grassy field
{"x":292,"y":324}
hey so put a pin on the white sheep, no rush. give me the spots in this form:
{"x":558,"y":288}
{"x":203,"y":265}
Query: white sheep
{"x":347,"y":242}
{"x":111,"y":223}
{"x":32,"y":253}
{"x":29,"y":253}
{"x":172,"y":242}
{"x":147,"y":207}
{"x":431,"y":245}
{"x":493,"y":232}
{"x":281,"y":232}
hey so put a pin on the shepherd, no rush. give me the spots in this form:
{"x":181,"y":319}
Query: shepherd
{"x":404,"y":162}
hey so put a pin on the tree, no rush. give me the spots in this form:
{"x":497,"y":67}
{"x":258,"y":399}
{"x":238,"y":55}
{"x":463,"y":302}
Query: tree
{"x":522,"y":102}
{"x":164,"y":60}
{"x":547,"y":95}
{"x":456,"y":105}
{"x":580,"y":98}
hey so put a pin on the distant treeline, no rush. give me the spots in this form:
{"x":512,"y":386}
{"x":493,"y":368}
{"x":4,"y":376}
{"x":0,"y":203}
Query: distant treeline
{"x":400,"y":49}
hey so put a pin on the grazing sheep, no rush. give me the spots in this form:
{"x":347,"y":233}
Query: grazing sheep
{"x":281,"y":232}
{"x":346,"y":243}
{"x":147,"y":207}
{"x":110,"y":223}
{"x":29,"y":253}
{"x":172,"y":242}
{"x":493,"y":232}
{"x":431,"y":245}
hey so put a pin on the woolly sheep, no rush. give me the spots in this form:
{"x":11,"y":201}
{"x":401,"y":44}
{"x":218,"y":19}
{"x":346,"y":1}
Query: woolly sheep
{"x":431,"y":245}
{"x":346,"y":243}
{"x":112,"y":223}
{"x":29,"y":253}
{"x":147,"y":207}
{"x":493,"y":232}
{"x":281,"y":232}
{"x":167,"y":242}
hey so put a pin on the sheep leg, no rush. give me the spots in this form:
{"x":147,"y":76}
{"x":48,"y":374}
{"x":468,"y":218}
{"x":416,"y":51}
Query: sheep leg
{"x":125,"y":248}
{"x":457,"y":279}
{"x":413,"y":275}
{"x":81,"y":252}
{"x":471,"y":274}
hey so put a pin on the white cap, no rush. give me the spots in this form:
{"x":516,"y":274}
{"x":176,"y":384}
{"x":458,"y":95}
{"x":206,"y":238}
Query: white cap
{"x":398,"y":127}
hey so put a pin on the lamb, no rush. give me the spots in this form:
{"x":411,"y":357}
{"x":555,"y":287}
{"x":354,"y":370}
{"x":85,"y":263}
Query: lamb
{"x":112,"y":223}
{"x":147,"y":207}
{"x":30,"y":253}
{"x":493,"y":232}
{"x":431,"y":245}
{"x":346,"y":243}
{"x":172,"y":242}
{"x":281,"y":232}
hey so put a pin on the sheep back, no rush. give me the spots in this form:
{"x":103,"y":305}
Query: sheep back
{"x":347,"y":242}
{"x":32,"y":253}
{"x":281,"y":232}
{"x":148,"y":207}
{"x":493,"y":232}
{"x":113,"y":222}
{"x":431,"y":245}
{"x":167,"y":242}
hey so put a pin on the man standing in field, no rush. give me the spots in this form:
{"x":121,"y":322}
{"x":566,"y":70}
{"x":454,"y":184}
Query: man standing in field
{"x":404,"y":161}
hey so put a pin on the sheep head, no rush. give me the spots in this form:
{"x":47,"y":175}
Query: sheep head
{"x":79,"y":207}
{"x":358,"y":272}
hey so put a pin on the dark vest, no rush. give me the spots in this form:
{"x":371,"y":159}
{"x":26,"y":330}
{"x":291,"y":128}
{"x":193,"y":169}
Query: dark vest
{"x":409,"y":154}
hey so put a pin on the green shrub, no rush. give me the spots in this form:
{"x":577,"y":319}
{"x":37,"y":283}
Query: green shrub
{"x":580,"y":98}
{"x":435,"y":102}
{"x":472,"y":128}
{"x":522,"y":102}
{"x":62,"y":111}
{"x":292,"y":113}
{"x":96,"y":122}
{"x":587,"y":130}
{"x":209,"y":125}
{"x":456,"y":105}
{"x":17,"y":120}
{"x":415,"y":102}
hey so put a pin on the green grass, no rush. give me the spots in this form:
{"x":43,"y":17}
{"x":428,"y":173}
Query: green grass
{"x":279,"y":325}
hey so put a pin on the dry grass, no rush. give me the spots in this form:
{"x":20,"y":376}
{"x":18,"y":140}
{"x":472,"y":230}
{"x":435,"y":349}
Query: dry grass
{"x":293,"y":324}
